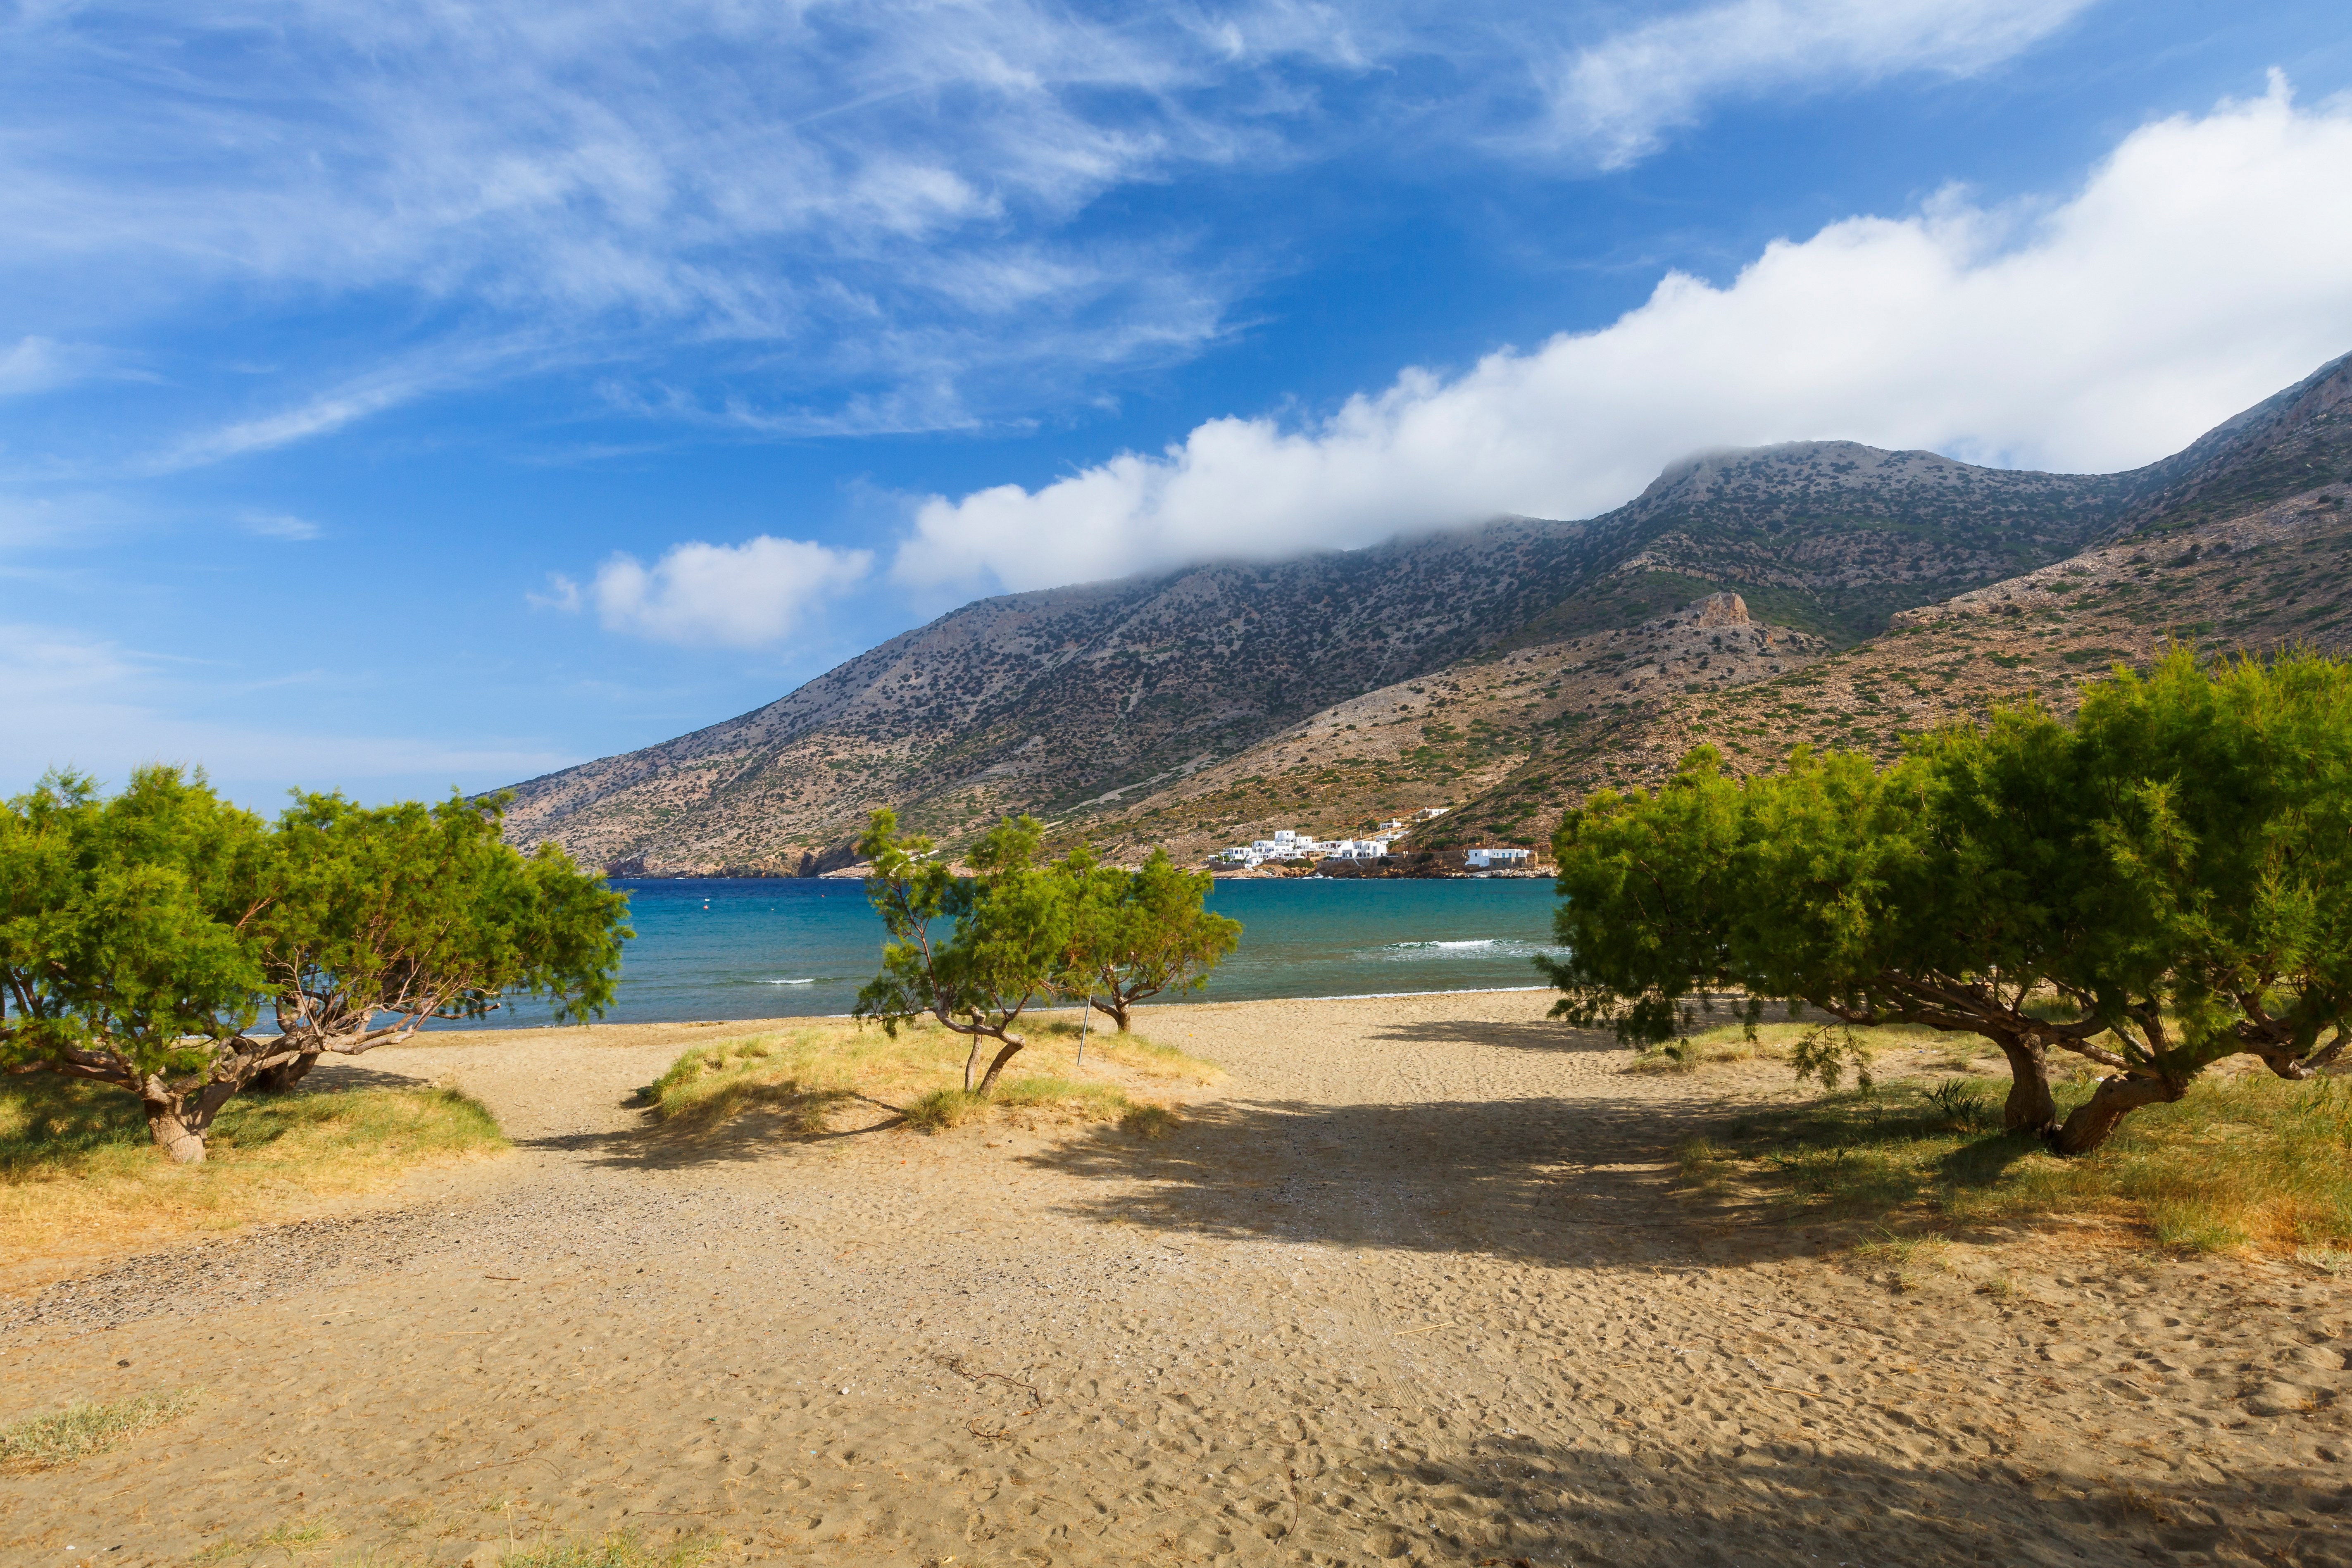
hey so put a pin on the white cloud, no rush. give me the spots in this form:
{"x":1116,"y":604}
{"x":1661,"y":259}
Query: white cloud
{"x":562,"y":594}
{"x":882,"y":187}
{"x":1617,"y":98}
{"x":895,"y":190}
{"x":37,"y":364}
{"x":280,"y":525}
{"x":731,"y":595}
{"x":2201,"y":268}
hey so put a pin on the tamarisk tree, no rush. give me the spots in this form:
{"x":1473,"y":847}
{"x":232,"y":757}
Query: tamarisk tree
{"x":1006,"y":930}
{"x":142,"y":936}
{"x":1137,"y":934}
{"x":377,"y":919}
{"x":2148,"y":887}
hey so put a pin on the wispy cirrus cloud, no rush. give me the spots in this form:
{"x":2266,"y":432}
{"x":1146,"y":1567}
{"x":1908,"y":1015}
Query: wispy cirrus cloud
{"x":280,"y":525}
{"x":814,"y":217}
{"x":34,"y":363}
{"x":1615,"y":99}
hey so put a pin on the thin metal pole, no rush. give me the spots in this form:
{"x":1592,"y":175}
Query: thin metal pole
{"x":1084,"y":1019}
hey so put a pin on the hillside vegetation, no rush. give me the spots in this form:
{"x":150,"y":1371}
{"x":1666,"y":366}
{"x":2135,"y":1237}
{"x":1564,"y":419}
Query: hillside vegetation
{"x":1505,"y":669}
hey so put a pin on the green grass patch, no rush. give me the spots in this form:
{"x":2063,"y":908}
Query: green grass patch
{"x":46,"y":1442}
{"x":77,"y":1160}
{"x":807,"y":1074}
{"x":2242,"y":1162}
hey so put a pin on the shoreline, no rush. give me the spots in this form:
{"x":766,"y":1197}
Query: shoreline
{"x":477,"y":1025}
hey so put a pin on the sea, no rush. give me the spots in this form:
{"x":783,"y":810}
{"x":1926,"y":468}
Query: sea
{"x":778,"y":947}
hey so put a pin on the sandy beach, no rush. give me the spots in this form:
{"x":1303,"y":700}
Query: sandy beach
{"x":1413,"y":1284}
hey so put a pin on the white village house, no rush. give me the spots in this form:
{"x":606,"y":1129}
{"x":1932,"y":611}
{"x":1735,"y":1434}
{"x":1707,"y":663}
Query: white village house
{"x":1287,"y":844}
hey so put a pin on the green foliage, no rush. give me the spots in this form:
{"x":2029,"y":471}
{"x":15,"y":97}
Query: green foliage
{"x":120,"y":922}
{"x":141,"y":936}
{"x":2152,"y":886}
{"x":1018,"y":931}
{"x":1008,"y":931}
{"x":1647,"y":890}
{"x":416,"y":911}
{"x":1137,"y":934}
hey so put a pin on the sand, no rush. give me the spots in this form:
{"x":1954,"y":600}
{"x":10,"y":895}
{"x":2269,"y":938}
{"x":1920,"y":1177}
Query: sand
{"x":1412,"y":1286}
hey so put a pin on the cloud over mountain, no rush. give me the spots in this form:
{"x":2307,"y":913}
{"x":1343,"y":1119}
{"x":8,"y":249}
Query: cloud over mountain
{"x":2197,"y":267}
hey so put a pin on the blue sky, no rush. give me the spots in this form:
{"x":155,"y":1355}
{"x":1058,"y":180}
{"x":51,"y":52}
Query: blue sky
{"x":401,"y":396}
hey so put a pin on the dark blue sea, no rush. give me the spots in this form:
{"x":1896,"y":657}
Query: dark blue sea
{"x":764,"y":948}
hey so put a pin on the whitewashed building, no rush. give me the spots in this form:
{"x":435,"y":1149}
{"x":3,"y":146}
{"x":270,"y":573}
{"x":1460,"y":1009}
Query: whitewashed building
{"x":1490,"y":860}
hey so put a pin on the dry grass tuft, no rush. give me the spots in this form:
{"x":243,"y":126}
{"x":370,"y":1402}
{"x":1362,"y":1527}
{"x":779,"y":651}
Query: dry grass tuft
{"x":1148,"y":1121}
{"x":807,"y":1074}
{"x":614,"y":1551}
{"x":1131,"y":1050}
{"x":943,"y":1109}
{"x":1773,"y":1042}
{"x":1903,"y":1257}
{"x":1702,"y":1161}
{"x":76,"y":1159}
{"x":46,"y":1442}
{"x":2245,"y":1162}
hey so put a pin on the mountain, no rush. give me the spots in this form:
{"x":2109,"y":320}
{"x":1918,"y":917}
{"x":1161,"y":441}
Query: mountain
{"x":1504,"y":668}
{"x":2229,"y":556}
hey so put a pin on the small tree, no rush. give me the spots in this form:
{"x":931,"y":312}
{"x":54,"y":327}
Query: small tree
{"x":378,"y":919}
{"x":141,"y":936}
{"x":1007,"y":936}
{"x":1140,"y":934}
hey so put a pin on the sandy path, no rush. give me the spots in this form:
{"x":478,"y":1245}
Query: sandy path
{"x":1410,"y":1286}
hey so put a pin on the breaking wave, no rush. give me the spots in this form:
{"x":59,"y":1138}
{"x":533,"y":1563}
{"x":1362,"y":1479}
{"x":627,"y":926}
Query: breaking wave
{"x":1474,"y":947}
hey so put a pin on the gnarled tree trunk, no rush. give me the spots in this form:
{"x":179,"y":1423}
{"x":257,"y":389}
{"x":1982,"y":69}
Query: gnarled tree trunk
{"x":168,"y":1124}
{"x":2114,"y":1099}
{"x":1012,"y":1044}
{"x":281,"y":1079}
{"x":180,"y":1120}
{"x":1114,"y":1004}
{"x":2030,"y":1106}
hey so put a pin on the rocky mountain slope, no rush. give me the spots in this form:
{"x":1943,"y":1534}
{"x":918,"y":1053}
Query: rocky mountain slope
{"x":2249,"y":577}
{"x":1466,"y":735}
{"x":1504,"y":668}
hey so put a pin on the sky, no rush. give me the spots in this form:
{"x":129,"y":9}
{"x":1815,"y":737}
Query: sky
{"x":421,"y":394}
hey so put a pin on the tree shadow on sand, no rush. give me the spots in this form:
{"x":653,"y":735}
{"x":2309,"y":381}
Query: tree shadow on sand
{"x":1542,"y":1181}
{"x":1515,"y":1035}
{"x":1519,"y":1499}
{"x":755,"y":1135}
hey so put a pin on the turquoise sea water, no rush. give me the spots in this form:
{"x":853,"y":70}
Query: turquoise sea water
{"x":776,"y":947}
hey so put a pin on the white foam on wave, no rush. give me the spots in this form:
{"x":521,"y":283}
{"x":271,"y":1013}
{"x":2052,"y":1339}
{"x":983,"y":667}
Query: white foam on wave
{"x":809,"y":982}
{"x":1479,"y":947}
